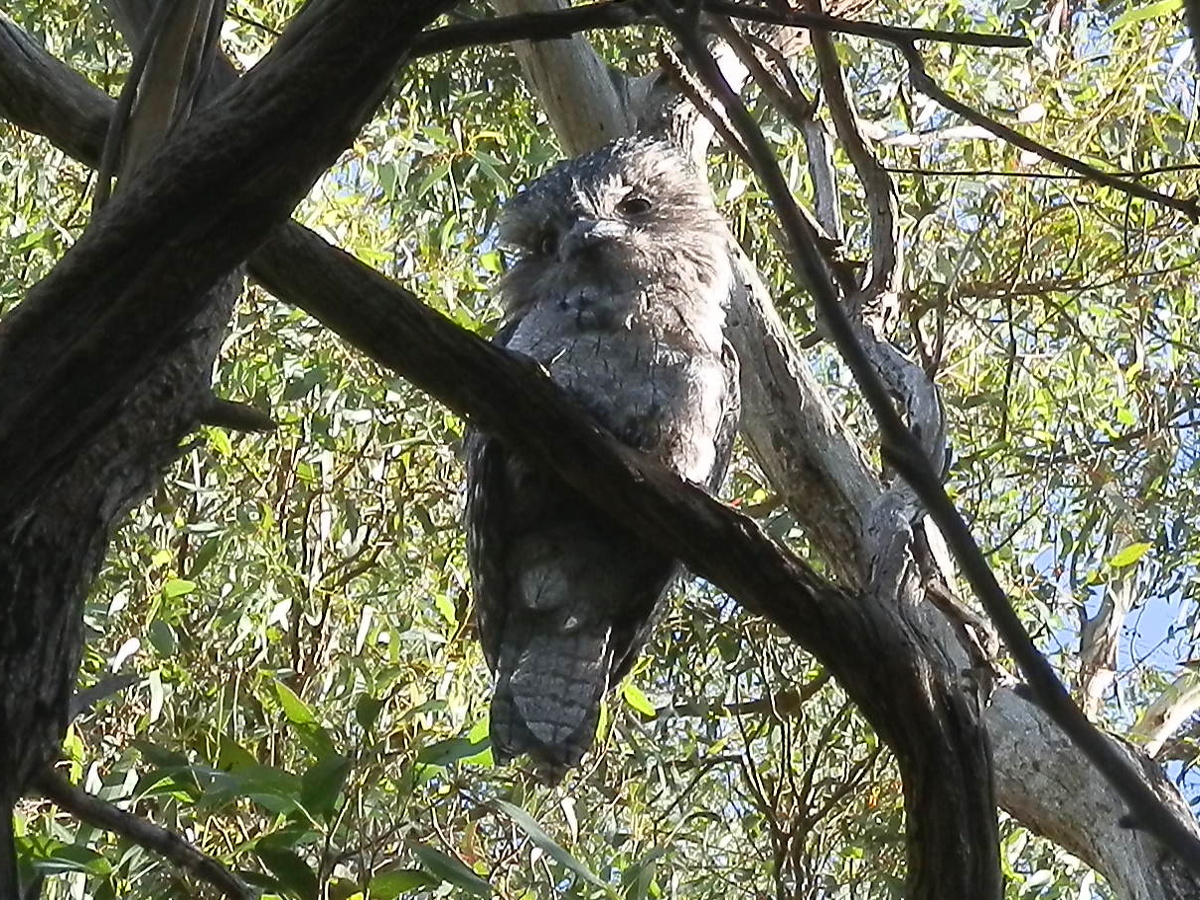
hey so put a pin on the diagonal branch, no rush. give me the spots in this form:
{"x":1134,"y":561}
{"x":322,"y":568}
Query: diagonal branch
{"x":87,"y":332}
{"x":903,"y":449}
{"x":607,"y":14}
{"x":922,"y":82}
{"x":875,"y":302}
{"x":101,"y":814}
{"x":1170,"y":710}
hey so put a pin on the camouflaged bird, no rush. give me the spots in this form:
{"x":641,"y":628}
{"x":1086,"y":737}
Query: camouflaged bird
{"x":618,"y":289}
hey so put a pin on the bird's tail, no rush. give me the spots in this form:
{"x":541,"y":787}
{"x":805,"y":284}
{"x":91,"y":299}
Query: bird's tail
{"x":548,"y":703}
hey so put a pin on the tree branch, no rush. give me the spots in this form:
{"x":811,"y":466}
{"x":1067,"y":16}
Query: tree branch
{"x":914,"y":706}
{"x":1169,"y":711}
{"x":182,"y":223}
{"x":544,"y":26}
{"x":922,"y":82}
{"x":101,"y":814}
{"x":904,"y":450}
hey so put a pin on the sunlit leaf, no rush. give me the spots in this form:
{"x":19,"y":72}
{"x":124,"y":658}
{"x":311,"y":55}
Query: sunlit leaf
{"x":553,"y":849}
{"x":1129,"y":555}
{"x":637,"y":700}
{"x":450,"y":870}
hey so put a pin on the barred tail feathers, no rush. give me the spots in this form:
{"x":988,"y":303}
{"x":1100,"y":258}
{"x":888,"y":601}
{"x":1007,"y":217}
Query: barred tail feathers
{"x":548,"y":703}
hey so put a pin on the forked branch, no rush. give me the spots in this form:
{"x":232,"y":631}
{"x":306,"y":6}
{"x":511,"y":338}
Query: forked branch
{"x":904,"y":451}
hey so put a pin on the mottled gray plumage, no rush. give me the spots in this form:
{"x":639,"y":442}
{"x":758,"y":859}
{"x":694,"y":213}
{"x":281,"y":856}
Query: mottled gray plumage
{"x":618,"y":288}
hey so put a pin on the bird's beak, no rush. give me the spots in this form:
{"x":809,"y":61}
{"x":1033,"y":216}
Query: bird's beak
{"x":586,"y":233}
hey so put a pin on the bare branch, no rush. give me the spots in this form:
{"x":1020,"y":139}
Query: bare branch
{"x":922,"y":82}
{"x":542,"y":26}
{"x":1169,"y":711}
{"x":891,"y":34}
{"x":39,"y":93}
{"x":83,"y":700}
{"x":882,"y":202}
{"x":113,"y":141}
{"x":903,"y":449}
{"x":236,"y":416}
{"x":102,"y":814}
{"x":871,"y":310}
{"x":1099,"y":638}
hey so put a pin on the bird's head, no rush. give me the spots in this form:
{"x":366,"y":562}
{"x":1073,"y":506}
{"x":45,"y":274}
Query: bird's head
{"x":629,"y":212}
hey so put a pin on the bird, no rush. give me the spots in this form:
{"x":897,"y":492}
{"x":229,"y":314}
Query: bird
{"x":620,"y":278}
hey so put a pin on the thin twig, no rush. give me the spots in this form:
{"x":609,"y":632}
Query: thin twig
{"x":892,"y":34}
{"x":1061,"y":176}
{"x":882,"y":202}
{"x":102,"y":814}
{"x":922,"y":82}
{"x":222,"y":413}
{"x":902,"y":377}
{"x":903,"y":450}
{"x":795,"y":106}
{"x":543,"y":26}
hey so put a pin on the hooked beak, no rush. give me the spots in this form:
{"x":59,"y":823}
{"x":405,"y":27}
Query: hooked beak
{"x":588,"y":233}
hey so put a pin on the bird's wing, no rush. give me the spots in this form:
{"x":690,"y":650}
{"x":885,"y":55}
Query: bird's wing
{"x":487,"y":515}
{"x":487,"y":499}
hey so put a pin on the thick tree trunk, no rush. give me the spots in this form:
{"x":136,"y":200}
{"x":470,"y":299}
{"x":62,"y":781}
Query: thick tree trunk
{"x":50,"y":554}
{"x":49,"y":557}
{"x":106,"y":364}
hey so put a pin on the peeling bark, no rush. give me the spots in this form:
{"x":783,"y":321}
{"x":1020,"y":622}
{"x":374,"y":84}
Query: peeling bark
{"x":566,"y":70}
{"x":1047,"y":785}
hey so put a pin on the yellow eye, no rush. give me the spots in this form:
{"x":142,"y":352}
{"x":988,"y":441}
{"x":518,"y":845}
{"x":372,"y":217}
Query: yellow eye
{"x":634,"y":205}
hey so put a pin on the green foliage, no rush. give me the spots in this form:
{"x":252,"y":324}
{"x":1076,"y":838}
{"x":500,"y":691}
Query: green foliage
{"x":311,"y":705}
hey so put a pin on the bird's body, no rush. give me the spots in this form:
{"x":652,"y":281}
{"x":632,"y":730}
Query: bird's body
{"x":618,"y":292}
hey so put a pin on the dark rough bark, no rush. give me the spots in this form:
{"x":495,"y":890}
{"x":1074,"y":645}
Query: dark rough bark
{"x":69,"y":110}
{"x":107,"y":362}
{"x":88,"y":331}
{"x":49,"y":557}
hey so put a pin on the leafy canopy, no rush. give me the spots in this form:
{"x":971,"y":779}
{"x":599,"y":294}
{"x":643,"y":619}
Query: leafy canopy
{"x":311,"y":705}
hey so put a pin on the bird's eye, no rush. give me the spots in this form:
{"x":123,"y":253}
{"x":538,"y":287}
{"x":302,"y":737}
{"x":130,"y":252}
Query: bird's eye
{"x":547,"y":243}
{"x":634,"y":205}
